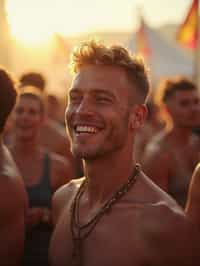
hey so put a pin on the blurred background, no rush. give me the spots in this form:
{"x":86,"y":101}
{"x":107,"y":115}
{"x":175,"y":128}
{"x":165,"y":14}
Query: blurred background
{"x":38,"y":35}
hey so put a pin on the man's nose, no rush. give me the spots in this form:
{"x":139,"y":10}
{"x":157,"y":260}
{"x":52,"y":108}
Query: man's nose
{"x":85,"y":106}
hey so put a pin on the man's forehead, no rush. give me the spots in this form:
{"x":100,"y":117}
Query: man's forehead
{"x":104,"y":74}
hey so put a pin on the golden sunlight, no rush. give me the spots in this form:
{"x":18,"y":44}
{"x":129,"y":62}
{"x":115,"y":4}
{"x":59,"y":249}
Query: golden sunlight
{"x":33,"y":22}
{"x":29,"y":24}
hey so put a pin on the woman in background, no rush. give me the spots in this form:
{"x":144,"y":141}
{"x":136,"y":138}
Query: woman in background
{"x":43,"y":172}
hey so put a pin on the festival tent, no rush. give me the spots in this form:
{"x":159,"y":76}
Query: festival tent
{"x":163,"y":57}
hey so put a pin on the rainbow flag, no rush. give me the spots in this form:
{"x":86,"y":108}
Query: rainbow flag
{"x":142,"y":41}
{"x":187,"y":34}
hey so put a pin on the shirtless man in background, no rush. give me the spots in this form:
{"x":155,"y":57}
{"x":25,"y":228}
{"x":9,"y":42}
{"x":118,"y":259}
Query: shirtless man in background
{"x":13,"y":201}
{"x":115,"y":215}
{"x":171,"y":156}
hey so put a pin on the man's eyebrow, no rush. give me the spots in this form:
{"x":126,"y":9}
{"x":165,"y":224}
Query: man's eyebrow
{"x":103,"y":91}
{"x":93,"y":91}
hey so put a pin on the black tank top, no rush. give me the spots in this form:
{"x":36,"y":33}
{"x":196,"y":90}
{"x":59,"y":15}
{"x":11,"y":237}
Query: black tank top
{"x":38,"y":238}
{"x":39,"y":195}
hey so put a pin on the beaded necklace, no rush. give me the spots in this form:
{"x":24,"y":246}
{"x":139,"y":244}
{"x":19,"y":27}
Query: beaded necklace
{"x":81,"y":232}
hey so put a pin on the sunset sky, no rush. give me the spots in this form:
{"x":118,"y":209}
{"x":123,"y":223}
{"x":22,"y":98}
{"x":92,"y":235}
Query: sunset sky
{"x":35,"y":21}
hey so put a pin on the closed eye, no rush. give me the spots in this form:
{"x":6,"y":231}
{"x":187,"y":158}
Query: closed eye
{"x":103,"y":99}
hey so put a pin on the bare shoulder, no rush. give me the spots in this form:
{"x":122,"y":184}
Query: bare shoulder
{"x":165,"y":227}
{"x":62,"y":170}
{"x":63,"y":197}
{"x":148,"y":192}
{"x":12,"y":191}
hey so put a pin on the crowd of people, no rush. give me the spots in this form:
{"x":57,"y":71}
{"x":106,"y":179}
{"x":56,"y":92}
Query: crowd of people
{"x":119,"y":186}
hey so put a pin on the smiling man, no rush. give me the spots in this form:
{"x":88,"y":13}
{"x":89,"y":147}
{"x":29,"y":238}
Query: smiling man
{"x":114,"y":215}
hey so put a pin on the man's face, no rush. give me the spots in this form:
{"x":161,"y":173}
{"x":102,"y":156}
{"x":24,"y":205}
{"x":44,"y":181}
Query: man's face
{"x":184,"y":108}
{"x":98,"y":113}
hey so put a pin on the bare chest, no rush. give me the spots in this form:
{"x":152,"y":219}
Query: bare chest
{"x":114,"y":240}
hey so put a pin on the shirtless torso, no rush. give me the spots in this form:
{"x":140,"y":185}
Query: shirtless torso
{"x":131,"y":233}
{"x":13,"y":205}
{"x":170,"y":164}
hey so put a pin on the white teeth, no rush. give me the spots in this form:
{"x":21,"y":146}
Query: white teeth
{"x":85,"y":129}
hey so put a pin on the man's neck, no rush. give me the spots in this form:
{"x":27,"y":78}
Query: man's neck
{"x":105,"y":177}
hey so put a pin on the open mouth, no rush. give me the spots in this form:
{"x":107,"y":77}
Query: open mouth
{"x":79,"y":129}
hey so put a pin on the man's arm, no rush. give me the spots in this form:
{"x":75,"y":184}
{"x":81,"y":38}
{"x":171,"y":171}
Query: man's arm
{"x":172,"y":238}
{"x":192,"y":209}
{"x":13,"y":205}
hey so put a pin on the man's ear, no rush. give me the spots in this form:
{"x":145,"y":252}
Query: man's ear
{"x":138,"y":116}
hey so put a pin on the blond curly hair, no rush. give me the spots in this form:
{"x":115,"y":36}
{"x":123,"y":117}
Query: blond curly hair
{"x":94,"y":52}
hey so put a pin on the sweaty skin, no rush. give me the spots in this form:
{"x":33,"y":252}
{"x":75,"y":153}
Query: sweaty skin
{"x":132,"y":233}
{"x":193,"y":201}
{"x":13,"y":207}
{"x":170,"y":164}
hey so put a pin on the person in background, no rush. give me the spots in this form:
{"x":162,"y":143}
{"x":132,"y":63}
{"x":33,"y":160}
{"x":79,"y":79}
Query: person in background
{"x":171,"y":156}
{"x":34,"y":79}
{"x":52,"y":136}
{"x":43,"y":172}
{"x":13,"y":200}
{"x":115,"y":215}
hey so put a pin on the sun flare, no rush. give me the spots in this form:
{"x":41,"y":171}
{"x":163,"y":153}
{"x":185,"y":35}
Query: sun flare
{"x":28,"y":23}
